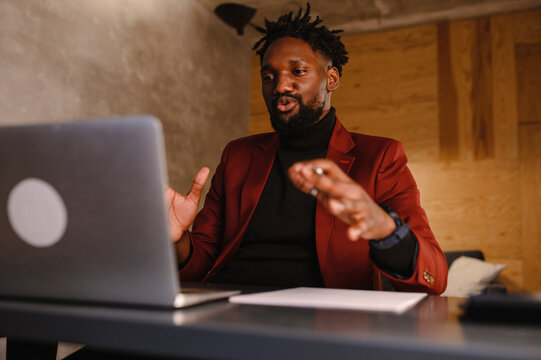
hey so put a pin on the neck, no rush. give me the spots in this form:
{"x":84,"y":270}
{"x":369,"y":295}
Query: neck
{"x":325,"y":113}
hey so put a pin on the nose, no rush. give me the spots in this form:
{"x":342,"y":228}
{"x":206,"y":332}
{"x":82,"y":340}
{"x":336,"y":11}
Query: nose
{"x":284,"y":85}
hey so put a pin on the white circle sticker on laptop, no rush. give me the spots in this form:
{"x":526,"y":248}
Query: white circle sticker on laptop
{"x":37,"y":212}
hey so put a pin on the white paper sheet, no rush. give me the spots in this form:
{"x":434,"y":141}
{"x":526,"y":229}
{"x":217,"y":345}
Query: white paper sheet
{"x":367,"y":300}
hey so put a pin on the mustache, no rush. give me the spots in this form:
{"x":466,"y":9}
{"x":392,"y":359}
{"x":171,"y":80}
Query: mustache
{"x":276,"y":98}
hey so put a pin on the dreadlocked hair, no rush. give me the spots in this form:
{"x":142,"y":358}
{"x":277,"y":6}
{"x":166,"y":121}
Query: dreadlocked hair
{"x":320,"y":38}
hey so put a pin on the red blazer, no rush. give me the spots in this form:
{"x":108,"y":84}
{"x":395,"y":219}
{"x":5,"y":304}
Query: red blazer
{"x":377,"y":164}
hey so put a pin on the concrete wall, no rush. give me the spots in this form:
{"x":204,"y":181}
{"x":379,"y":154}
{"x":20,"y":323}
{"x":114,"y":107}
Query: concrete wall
{"x":64,"y":59}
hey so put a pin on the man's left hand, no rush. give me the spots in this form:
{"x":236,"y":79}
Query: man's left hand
{"x":343,"y":198}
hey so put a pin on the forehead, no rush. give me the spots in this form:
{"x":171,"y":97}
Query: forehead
{"x":288,"y":50}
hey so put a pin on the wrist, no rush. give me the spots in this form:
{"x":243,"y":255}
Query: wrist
{"x":399,"y":233}
{"x":184,"y":248}
{"x":389,"y":226}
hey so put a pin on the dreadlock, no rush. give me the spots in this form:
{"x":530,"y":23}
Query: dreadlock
{"x":320,"y":38}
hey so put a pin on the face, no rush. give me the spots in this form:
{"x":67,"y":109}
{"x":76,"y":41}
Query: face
{"x":297,"y":83}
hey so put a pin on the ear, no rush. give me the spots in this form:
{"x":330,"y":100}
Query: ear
{"x":333,"y":78}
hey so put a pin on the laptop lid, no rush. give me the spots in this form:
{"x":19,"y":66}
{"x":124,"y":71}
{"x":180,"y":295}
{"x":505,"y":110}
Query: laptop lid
{"x":82,"y":213}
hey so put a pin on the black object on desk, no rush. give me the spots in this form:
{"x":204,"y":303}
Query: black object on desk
{"x":502,"y":308}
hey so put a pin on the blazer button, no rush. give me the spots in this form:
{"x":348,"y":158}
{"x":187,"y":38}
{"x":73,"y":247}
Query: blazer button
{"x":429,"y":278}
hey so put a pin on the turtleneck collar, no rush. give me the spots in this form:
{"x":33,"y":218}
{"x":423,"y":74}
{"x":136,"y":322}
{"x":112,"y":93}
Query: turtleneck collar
{"x":316,"y":137}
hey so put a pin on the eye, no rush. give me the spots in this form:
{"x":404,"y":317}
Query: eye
{"x":267,"y":78}
{"x":299,"y":72}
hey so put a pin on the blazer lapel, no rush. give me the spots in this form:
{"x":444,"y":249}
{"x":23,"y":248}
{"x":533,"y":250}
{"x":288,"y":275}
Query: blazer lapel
{"x":256,"y":179}
{"x":339,"y":146}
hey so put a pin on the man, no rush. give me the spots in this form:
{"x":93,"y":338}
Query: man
{"x":310,"y":204}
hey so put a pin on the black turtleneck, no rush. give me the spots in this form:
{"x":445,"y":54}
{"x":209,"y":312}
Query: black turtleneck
{"x":279,"y":247}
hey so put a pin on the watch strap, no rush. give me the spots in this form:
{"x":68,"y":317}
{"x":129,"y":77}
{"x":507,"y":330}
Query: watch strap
{"x":402,"y":230}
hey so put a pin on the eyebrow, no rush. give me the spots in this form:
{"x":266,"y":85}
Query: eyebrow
{"x":297,"y":62}
{"x":291,"y":62}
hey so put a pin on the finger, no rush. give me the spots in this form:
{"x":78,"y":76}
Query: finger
{"x":336,"y":207}
{"x":360,"y":205}
{"x":304,"y":174}
{"x":309,"y":170}
{"x":202,"y":176}
{"x":326,"y":176}
{"x":305,"y":179}
{"x":338,"y":188}
{"x":325,"y":167}
{"x":199,"y":183}
{"x":169,"y":194}
{"x":299,"y":180}
{"x":355,"y":233}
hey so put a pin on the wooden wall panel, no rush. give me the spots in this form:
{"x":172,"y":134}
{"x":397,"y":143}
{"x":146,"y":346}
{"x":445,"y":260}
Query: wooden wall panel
{"x":462,"y":35}
{"x":530,"y":165}
{"x":479,"y":80}
{"x":389,"y":88}
{"x":475,"y":205}
{"x":527,"y":33}
{"x":504,"y":89}
{"x":447,"y":98}
{"x":527,"y":27}
{"x":483,"y":132}
{"x":528,"y":65}
{"x":482,"y":70}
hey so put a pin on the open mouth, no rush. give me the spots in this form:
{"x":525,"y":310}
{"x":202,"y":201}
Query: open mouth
{"x":285,"y":103}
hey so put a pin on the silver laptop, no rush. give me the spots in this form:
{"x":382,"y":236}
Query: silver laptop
{"x":83,"y":216}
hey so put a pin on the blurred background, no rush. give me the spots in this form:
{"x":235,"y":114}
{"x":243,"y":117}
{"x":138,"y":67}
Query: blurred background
{"x":458,"y":82}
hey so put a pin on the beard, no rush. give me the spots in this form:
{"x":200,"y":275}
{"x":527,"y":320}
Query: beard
{"x":307,"y":115}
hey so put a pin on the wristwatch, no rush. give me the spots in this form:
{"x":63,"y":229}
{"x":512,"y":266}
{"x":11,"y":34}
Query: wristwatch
{"x":402,"y":230}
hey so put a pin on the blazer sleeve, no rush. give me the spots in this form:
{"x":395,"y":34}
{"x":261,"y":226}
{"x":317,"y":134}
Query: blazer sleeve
{"x":208,"y":228}
{"x":396,"y":187}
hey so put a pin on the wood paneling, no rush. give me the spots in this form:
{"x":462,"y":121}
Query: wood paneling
{"x":474,"y":205}
{"x":527,"y":27}
{"x":483,"y":133}
{"x":389,"y":88}
{"x":479,"y":81}
{"x":504,"y":89}
{"x":447,"y":97}
{"x":530,"y":182}
{"x":528,"y":65}
{"x":462,"y":35}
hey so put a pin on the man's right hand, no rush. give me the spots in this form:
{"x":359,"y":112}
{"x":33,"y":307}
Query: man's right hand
{"x":182,"y":209}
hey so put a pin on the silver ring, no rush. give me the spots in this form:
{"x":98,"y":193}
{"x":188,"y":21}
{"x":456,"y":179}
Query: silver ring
{"x":314,"y":191}
{"x":318,"y":171}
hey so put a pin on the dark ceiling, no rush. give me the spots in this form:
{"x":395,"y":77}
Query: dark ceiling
{"x":354,"y":16}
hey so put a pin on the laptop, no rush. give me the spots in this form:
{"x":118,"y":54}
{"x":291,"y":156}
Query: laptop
{"x":83,"y":216}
